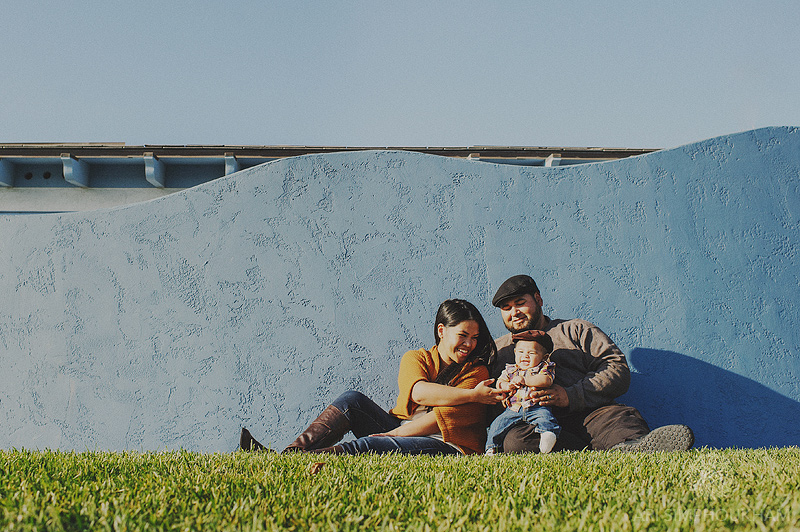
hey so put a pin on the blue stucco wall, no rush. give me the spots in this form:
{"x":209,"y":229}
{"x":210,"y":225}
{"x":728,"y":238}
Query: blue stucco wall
{"x":257,"y":298}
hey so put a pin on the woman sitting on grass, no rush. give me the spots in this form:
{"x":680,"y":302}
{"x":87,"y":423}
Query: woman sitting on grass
{"x":441,"y":408}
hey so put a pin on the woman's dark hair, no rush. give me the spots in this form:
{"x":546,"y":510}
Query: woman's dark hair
{"x":452,"y":312}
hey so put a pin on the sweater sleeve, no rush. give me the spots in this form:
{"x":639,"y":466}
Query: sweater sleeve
{"x":415,"y":366}
{"x":605,"y":370}
{"x":465,"y":425}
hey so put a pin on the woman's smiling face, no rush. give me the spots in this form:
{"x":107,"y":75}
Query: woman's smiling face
{"x":458,"y":341}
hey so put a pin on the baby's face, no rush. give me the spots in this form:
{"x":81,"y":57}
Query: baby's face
{"x":528,"y":354}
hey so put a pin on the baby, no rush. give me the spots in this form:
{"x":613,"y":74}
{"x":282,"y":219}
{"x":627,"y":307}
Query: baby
{"x":533,"y":369}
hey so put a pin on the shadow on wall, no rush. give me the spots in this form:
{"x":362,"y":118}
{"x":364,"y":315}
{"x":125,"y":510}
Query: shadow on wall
{"x":724,"y":409}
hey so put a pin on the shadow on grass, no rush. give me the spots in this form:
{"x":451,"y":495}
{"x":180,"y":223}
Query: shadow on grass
{"x":722,"y":408}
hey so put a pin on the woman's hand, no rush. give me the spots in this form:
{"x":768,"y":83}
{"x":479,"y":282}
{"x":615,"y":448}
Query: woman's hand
{"x":487,"y":395}
{"x":552,"y":396}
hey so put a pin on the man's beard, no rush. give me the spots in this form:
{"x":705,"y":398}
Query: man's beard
{"x":528,"y":324}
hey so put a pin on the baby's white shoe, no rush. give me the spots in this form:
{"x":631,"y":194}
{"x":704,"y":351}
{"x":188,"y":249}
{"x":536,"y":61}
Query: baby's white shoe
{"x":547,"y":441}
{"x":491,"y":451}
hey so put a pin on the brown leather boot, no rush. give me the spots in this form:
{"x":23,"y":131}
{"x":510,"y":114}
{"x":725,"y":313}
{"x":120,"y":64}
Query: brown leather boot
{"x":248,"y":443}
{"x":326,"y":430}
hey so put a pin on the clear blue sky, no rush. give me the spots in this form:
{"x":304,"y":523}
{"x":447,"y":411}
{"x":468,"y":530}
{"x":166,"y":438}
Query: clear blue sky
{"x":407,"y":73}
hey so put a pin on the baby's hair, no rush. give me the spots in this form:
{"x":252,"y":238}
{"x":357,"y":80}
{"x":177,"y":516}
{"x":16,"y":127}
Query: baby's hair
{"x":543,"y":340}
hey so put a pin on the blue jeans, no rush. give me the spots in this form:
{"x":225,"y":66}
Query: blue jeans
{"x":539,"y":417}
{"x":367,"y":418}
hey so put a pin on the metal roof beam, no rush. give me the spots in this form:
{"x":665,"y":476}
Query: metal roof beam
{"x":272,"y":152}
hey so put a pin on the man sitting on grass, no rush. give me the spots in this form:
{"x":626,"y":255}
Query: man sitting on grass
{"x":592,"y":373}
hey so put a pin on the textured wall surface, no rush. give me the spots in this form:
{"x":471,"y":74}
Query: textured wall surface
{"x":257,"y":298}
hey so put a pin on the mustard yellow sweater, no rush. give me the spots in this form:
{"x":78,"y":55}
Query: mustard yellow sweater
{"x":462,"y":425}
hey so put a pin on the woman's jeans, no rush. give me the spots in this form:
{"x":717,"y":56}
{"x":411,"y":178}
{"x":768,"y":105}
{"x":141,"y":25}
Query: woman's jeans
{"x":539,"y":417}
{"x":367,"y":418}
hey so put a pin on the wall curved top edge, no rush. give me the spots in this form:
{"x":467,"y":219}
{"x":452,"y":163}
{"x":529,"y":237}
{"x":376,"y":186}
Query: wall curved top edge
{"x":256,"y":298}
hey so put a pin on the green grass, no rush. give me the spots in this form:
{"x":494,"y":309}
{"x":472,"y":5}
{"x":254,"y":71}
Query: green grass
{"x":698,"y":490}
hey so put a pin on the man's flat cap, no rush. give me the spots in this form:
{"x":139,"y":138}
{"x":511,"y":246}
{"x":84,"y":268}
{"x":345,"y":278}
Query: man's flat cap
{"x":514,"y":286}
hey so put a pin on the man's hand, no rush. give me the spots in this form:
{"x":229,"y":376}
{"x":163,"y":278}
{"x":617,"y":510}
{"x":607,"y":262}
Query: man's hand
{"x":487,"y":395}
{"x":552,"y":396}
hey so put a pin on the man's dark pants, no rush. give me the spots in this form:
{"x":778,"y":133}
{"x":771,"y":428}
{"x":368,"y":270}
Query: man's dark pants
{"x":598,"y":429}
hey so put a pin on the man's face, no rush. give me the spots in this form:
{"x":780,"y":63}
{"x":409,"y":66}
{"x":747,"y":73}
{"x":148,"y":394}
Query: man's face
{"x":522,"y":313}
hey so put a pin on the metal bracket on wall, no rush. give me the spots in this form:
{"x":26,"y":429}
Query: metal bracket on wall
{"x":75,"y":172}
{"x":554,"y":159}
{"x":232,"y":165}
{"x":154,"y":170}
{"x":6,"y":174}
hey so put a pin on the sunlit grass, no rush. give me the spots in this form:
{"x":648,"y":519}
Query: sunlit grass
{"x":697,"y":490}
